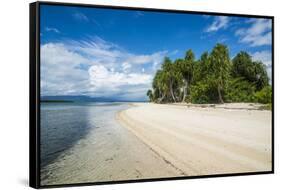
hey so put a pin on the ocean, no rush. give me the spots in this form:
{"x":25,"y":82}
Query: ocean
{"x":63,"y":124}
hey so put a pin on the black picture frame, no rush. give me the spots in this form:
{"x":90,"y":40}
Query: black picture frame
{"x":34,"y":92}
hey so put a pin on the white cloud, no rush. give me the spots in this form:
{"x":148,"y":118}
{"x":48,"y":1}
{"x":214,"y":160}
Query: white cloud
{"x":266,"y":58}
{"x":154,"y":58}
{"x":49,"y":29}
{"x":126,"y":66}
{"x":220,"y":22}
{"x":80,"y":17}
{"x":58,"y":73}
{"x":263,"y":56}
{"x":95,"y":67}
{"x":258,"y":34}
{"x":108,"y":53}
{"x":83,"y":18}
{"x":100,"y":77}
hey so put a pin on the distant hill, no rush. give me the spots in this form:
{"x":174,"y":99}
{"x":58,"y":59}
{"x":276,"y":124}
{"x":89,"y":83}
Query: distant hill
{"x":82,"y":99}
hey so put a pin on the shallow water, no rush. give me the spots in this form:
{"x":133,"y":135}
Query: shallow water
{"x":63,"y":124}
{"x":96,"y":147}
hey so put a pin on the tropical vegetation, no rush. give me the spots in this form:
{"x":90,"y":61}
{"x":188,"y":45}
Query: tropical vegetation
{"x":213,"y":78}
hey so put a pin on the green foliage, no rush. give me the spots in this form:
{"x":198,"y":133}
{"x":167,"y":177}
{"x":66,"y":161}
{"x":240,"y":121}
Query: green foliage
{"x":239,"y":90}
{"x":220,"y":65}
{"x":200,"y":94}
{"x":213,"y":78}
{"x":253,"y":72}
{"x":204,"y":92}
{"x":261,"y":78}
{"x":185,"y":68}
{"x":264,"y":96}
{"x":202,"y":67}
{"x":242,"y":66}
{"x":172,"y":77}
{"x":189,"y":56}
{"x":150,"y":95}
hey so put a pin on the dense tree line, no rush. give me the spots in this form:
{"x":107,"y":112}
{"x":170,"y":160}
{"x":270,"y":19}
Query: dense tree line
{"x":213,"y":78}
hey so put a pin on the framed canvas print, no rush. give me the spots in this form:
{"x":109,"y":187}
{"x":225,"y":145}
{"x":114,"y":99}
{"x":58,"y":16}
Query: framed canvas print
{"x":123,"y":94}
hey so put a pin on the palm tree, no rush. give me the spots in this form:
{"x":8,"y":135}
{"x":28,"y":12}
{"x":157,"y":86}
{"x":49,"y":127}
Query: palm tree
{"x":169,"y":75}
{"x":261,"y":78}
{"x":150,"y":95}
{"x":220,"y":63}
{"x":187,"y":70}
{"x":160,"y":86}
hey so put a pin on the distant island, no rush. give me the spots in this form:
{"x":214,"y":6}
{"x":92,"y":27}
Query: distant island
{"x":213,"y":78}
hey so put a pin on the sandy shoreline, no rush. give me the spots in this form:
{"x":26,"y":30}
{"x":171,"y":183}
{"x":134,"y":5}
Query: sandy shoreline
{"x":202,"y":141}
{"x":109,"y":152}
{"x":145,"y":141}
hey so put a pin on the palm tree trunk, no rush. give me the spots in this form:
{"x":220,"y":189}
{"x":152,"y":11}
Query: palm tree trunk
{"x":161,"y":99}
{"x":220,"y":97}
{"x":184,"y":90}
{"x":171,"y":91}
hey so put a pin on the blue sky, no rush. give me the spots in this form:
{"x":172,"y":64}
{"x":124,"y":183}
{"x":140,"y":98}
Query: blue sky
{"x":115,"y":53}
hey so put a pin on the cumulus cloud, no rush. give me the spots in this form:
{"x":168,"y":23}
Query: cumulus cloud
{"x":96,"y":68}
{"x":258,"y":34}
{"x":126,"y":66}
{"x":220,"y":22}
{"x":100,"y":76}
{"x":59,"y":75}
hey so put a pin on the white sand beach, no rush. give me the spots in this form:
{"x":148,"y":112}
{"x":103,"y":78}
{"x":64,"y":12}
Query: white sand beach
{"x":146,"y":140}
{"x":230,"y":138}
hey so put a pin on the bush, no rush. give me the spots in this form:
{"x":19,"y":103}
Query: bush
{"x":203,"y":93}
{"x":264,"y":96}
{"x":239,"y":90}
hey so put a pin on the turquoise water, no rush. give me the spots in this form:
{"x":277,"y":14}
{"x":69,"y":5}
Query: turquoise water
{"x":63,"y":124}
